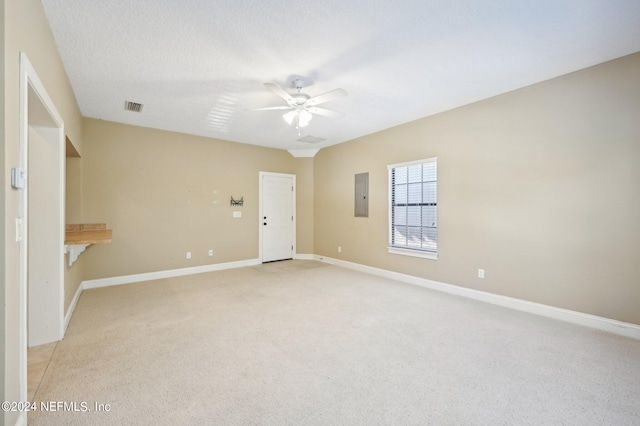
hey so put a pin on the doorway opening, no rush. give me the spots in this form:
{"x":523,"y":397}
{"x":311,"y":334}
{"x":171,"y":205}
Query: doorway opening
{"x":40,"y":226}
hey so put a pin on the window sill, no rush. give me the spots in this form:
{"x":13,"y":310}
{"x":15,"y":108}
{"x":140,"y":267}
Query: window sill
{"x":413,"y":253}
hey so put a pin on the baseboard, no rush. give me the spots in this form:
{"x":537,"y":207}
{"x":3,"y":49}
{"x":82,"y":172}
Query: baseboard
{"x":72,"y":307}
{"x":600,"y":323}
{"x":302,"y":256}
{"x":129,"y":279}
{"x":587,"y":320}
{"x":22,"y":419}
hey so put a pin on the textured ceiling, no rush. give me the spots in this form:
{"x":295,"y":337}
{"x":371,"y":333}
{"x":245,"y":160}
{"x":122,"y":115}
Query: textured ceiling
{"x":198,"y":66}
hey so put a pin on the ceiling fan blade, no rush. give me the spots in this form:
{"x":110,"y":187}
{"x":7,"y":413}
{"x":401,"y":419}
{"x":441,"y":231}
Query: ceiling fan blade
{"x":271,"y":108}
{"x":279,"y":91}
{"x":326,"y":97}
{"x":325,"y":112}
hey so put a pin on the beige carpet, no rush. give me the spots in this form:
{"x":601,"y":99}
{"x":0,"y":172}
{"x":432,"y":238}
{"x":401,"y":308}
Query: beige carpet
{"x":306,"y":343}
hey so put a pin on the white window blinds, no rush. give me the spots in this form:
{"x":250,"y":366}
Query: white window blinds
{"x":413,"y":205}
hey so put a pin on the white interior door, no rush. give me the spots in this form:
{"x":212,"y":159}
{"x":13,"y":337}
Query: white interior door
{"x":277,"y":214}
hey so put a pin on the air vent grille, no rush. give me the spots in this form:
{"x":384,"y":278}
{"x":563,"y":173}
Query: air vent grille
{"x":133,"y":106}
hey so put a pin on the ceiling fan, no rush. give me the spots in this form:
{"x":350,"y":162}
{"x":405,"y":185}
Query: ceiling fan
{"x":303,"y":106}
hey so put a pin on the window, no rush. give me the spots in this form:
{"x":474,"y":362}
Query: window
{"x":413,"y":220}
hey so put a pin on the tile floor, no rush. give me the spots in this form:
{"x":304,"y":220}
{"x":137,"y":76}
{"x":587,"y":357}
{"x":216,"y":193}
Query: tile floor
{"x":38,"y":358}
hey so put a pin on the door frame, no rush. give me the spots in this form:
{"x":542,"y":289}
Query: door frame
{"x":42,"y":102}
{"x":261,"y":175}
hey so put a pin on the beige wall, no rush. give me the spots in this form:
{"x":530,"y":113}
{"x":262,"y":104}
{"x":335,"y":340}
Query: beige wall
{"x":540,"y":187}
{"x":303,"y":169}
{"x":45,"y":259}
{"x":73,"y":194}
{"x":73,"y":210}
{"x":165,"y":193}
{"x":25,"y":30}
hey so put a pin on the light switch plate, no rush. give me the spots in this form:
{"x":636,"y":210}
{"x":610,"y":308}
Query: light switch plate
{"x":237,"y":214}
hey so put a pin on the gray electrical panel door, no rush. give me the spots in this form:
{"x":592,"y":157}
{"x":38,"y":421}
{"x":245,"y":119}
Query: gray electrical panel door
{"x":362,"y":195}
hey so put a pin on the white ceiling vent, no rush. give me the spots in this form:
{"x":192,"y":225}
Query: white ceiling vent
{"x":311,"y":139}
{"x":133,"y":106}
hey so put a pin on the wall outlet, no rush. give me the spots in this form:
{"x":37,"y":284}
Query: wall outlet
{"x":339,"y":249}
{"x":188,"y":255}
{"x":480,"y":273}
{"x":210,"y":252}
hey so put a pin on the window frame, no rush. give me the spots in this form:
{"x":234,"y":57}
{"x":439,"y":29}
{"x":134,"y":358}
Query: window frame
{"x":414,"y":252}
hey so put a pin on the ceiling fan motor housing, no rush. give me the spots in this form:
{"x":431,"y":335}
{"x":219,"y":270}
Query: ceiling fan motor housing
{"x":298,"y":99}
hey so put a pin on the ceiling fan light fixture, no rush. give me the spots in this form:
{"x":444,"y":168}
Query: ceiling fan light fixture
{"x":301,"y":118}
{"x":290,"y":116}
{"x":305,"y":118}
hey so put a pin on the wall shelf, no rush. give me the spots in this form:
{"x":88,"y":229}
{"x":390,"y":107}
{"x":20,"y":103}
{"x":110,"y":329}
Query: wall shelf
{"x":78,"y":237}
